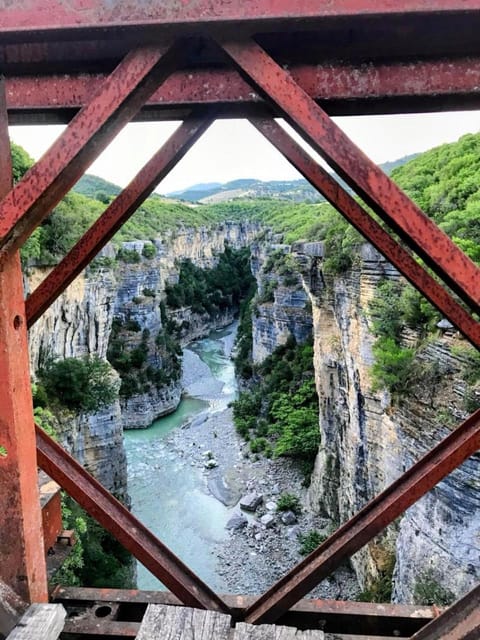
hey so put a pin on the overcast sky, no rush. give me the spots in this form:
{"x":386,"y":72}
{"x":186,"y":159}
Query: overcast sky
{"x":233,"y":149}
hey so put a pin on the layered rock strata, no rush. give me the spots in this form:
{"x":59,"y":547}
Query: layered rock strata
{"x":367,"y":441}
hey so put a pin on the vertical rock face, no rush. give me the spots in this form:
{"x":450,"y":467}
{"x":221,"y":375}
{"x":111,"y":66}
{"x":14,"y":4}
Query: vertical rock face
{"x":141,"y":286}
{"x":366,"y":443}
{"x":79,"y":323}
{"x":282,"y":307}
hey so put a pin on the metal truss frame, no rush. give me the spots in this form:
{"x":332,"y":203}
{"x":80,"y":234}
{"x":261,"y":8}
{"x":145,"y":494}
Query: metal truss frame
{"x":115,"y":100}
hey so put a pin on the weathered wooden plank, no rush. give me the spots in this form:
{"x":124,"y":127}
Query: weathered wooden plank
{"x":245,"y":631}
{"x":181,"y":623}
{"x":40,"y":622}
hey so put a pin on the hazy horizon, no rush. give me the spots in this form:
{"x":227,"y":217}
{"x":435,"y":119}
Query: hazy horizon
{"x":234,"y":149}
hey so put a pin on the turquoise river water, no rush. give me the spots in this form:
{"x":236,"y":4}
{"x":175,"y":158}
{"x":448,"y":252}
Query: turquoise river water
{"x":168,"y":493}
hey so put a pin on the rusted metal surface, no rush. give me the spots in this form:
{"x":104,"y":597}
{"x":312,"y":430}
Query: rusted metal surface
{"x":461,"y":621}
{"x":100,"y":628}
{"x":372,"y":231}
{"x":120,"y":96}
{"x":49,"y":15}
{"x":334,"y":616}
{"x":375,"y":87}
{"x":369,"y":522}
{"x":22,"y":560}
{"x":116,"y":214}
{"x":377,"y":189}
{"x":129,"y":531}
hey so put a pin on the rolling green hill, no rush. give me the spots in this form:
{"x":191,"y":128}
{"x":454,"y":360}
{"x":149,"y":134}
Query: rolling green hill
{"x":95,"y":187}
{"x":290,"y":190}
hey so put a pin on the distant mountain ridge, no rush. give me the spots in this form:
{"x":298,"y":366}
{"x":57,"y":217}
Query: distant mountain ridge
{"x":216,"y":192}
{"x":292,"y":190}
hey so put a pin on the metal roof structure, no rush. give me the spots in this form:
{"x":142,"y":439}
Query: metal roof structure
{"x":98,"y":64}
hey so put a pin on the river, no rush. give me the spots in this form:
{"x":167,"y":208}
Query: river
{"x":168,"y":490}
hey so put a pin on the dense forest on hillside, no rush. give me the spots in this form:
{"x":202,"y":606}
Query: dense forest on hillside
{"x":445,"y":183}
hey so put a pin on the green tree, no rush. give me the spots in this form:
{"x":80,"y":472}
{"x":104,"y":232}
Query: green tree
{"x":80,"y":384}
{"x":393,"y":365}
{"x":21,"y":162}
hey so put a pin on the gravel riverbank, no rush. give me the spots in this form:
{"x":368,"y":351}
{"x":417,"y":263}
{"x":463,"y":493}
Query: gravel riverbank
{"x":254,"y":556}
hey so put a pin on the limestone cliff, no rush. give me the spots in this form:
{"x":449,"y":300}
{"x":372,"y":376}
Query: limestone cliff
{"x":79,"y":323}
{"x":141,"y":288}
{"x":282,"y":307}
{"x":367,"y":442}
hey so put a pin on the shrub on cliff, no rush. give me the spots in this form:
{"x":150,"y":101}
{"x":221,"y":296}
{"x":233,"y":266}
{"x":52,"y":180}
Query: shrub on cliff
{"x":429,"y":592}
{"x":283,"y":407}
{"x":130,"y":256}
{"x":393,"y":366}
{"x":80,"y":384}
{"x":149,"y":251}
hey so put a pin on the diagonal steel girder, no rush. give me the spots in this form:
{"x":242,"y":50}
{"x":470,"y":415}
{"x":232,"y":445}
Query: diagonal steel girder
{"x":119,"y":98}
{"x":367,"y":226}
{"x":116,"y":214}
{"x":446,"y":456}
{"x":363,"y":175}
{"x":461,"y":621}
{"x":124,"y":526}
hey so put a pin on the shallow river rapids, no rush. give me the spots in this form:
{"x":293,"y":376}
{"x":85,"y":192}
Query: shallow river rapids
{"x":168,"y":491}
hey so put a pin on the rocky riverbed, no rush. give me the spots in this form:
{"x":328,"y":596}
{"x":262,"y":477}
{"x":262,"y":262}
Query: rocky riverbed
{"x":259,"y":547}
{"x":255,"y":555}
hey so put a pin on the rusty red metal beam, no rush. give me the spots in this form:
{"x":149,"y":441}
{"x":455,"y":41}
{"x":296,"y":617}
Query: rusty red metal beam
{"x":363,"y":175}
{"x":461,"y":621}
{"x":368,"y":227}
{"x":333,"y":616}
{"x":369,"y":522}
{"x":22,"y":560}
{"x":116,"y":214}
{"x":120,"y":96}
{"x":52,"y":15}
{"x":373,"y":86}
{"x":123,"y":525}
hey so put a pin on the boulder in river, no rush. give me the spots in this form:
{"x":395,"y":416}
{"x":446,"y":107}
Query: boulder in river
{"x":236,"y":522}
{"x":289,"y":517}
{"x":267,"y":520}
{"x":211,"y":463}
{"x":251,"y":501}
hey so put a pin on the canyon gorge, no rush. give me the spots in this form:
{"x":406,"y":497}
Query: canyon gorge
{"x":365,"y":441}
{"x":390,"y":377}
